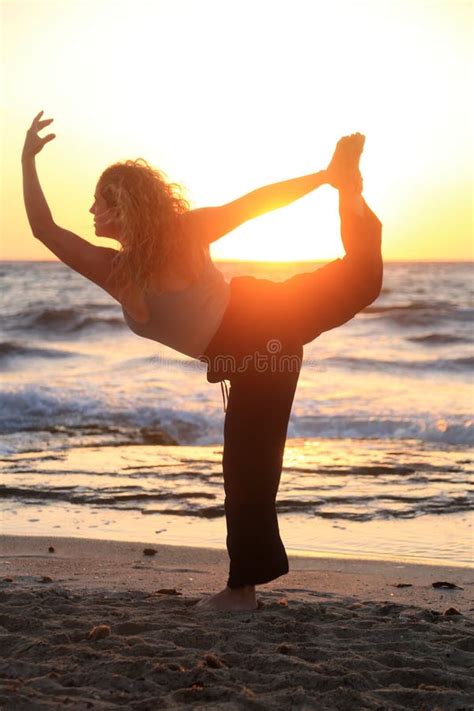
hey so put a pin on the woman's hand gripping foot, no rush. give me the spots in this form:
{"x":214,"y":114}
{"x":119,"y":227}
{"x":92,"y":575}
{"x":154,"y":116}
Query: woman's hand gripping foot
{"x":343,"y":170}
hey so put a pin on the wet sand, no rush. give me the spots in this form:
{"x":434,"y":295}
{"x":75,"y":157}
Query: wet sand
{"x":99,"y":624}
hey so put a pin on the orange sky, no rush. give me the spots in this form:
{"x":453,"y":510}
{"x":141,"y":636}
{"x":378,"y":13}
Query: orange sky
{"x":228,"y":96}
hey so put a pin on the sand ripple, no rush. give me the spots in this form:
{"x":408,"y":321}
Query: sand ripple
{"x":157,"y":652}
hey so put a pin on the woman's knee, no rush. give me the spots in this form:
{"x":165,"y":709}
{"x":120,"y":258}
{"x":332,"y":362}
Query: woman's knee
{"x":364,"y":276}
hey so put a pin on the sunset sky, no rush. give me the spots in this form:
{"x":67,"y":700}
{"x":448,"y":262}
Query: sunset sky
{"x":227,"y":96}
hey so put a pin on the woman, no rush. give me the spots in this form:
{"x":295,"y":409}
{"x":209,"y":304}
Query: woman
{"x":249,"y":331}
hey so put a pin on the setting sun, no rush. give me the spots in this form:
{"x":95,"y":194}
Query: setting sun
{"x":264,"y":98}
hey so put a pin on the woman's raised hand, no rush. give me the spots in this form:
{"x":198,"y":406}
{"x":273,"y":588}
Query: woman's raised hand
{"x":34,"y":143}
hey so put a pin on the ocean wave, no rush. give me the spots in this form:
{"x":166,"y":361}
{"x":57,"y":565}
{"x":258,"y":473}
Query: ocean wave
{"x":420,"y":313}
{"x":458,"y":431}
{"x":414,"y":306}
{"x":70,"y":320}
{"x":91,"y":419}
{"x":99,"y":307}
{"x":31,"y":408}
{"x":439,"y":364}
{"x":13,"y":349}
{"x":438,"y":339}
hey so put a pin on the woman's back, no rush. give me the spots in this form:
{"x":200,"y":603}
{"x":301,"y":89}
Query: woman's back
{"x":183,"y":318}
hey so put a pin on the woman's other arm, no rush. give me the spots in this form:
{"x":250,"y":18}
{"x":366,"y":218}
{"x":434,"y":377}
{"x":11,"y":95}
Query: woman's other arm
{"x":95,"y":263}
{"x":211,"y":223}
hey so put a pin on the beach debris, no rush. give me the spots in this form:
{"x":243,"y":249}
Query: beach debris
{"x":46,"y":579}
{"x":447,"y":586}
{"x":99,"y":632}
{"x":403,"y":585}
{"x":167,"y":591}
{"x":7,"y":580}
{"x":283,"y":602}
{"x":51,"y":549}
{"x":149,"y":551}
{"x":452,"y":611}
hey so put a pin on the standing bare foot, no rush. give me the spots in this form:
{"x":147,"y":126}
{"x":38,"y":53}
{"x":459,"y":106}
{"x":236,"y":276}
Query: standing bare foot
{"x":230,"y":599}
{"x":343,"y":170}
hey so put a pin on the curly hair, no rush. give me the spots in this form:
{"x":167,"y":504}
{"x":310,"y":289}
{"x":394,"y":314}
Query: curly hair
{"x":153,"y":241}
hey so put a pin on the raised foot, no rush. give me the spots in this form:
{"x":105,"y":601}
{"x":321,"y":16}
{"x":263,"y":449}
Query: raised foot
{"x":343,"y":170}
{"x":230,"y":599}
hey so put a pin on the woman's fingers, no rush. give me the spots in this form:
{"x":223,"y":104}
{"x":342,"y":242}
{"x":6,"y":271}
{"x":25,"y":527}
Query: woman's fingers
{"x":36,"y":119}
{"x":42,"y":124}
{"x":37,"y":125}
{"x":33,"y":142}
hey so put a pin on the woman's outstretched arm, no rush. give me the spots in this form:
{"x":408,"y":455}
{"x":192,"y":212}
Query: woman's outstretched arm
{"x":211,"y":223}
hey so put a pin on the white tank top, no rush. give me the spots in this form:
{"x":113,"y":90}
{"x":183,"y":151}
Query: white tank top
{"x":186,"y":320}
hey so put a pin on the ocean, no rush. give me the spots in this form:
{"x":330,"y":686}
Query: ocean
{"x":105,"y":434}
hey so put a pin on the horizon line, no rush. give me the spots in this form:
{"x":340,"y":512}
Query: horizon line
{"x":443,"y":260}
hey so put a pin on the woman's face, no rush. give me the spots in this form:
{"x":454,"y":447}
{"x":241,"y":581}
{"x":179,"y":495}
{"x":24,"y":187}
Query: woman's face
{"x":104,"y":217}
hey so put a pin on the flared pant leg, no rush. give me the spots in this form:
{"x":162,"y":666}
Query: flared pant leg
{"x":255,"y":430}
{"x":328,"y":297}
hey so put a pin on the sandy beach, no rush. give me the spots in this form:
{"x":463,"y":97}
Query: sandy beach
{"x":100,"y":624}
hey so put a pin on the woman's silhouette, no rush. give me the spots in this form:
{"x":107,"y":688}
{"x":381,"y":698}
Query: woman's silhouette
{"x":250,"y":331}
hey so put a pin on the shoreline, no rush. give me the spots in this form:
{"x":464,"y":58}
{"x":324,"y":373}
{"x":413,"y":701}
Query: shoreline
{"x":92,"y":564}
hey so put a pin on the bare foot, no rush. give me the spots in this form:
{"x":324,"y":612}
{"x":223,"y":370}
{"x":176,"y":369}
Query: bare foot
{"x":230,"y":599}
{"x":343,"y":170}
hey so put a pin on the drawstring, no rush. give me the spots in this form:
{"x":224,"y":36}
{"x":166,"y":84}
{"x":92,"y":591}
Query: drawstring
{"x":224,"y":384}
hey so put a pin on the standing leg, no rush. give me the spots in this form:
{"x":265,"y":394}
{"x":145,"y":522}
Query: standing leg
{"x":255,"y":430}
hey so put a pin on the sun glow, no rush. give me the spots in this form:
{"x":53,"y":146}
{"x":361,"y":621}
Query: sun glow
{"x":226,"y":97}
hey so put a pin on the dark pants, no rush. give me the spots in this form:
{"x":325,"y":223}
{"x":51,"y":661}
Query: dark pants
{"x":258,"y":347}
